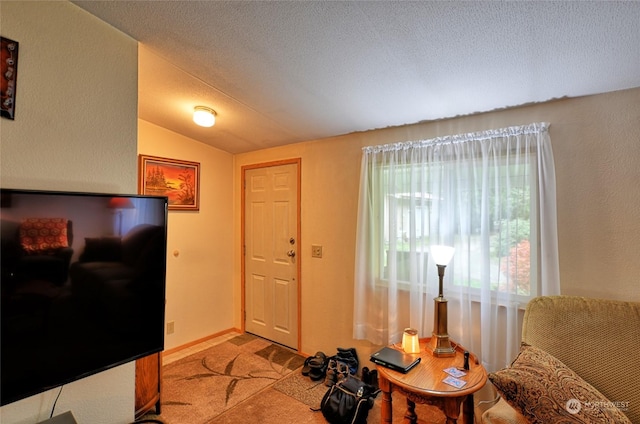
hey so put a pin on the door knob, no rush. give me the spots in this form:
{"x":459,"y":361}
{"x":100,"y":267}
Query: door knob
{"x":291,"y":253}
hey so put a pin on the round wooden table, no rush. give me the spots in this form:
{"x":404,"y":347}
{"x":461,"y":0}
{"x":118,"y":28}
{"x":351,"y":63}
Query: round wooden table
{"x":424,"y":384}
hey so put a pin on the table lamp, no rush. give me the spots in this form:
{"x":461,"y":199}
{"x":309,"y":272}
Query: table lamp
{"x":410,"y":342}
{"x":439,"y":343}
{"x":120,"y":203}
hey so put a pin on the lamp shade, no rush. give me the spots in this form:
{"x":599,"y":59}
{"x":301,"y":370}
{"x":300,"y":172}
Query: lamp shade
{"x":410,"y":341}
{"x":204,"y":116}
{"x":120,"y":203}
{"x":442,"y":254}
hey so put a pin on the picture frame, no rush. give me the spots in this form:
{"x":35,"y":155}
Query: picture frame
{"x":179,"y":180}
{"x":8,"y":77}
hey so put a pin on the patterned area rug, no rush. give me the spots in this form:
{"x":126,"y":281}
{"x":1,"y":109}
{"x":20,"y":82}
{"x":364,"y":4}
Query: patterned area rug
{"x":302,"y":389}
{"x":202,"y":386}
{"x":248,"y":379}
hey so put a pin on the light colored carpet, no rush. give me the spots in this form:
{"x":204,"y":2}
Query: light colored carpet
{"x":307,"y":392}
{"x":292,"y":399}
{"x":249,"y":380}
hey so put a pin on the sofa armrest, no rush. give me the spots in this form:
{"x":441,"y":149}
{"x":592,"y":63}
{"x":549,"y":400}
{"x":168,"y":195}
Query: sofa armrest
{"x":503,"y":413}
{"x":101,"y":249}
{"x":493,"y":409}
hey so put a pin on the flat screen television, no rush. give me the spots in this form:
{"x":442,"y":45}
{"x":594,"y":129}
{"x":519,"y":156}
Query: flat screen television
{"x":82,"y":285}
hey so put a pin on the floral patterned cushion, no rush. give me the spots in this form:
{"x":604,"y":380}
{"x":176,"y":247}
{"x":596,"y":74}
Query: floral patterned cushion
{"x":545,"y":390}
{"x":43,"y":235}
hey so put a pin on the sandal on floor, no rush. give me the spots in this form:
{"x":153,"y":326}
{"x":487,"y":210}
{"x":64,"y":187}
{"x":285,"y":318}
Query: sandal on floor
{"x":317,"y":374}
{"x":306,"y":367}
{"x":318,"y":360}
{"x":318,"y":366}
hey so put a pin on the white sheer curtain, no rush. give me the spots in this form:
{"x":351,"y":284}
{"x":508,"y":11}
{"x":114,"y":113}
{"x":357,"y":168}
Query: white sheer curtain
{"x":491,"y":195}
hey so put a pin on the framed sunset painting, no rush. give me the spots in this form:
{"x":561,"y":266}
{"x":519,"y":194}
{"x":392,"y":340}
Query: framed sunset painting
{"x":179,"y":180}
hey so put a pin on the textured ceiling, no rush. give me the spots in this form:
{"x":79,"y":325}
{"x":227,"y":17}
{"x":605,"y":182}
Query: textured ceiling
{"x":280,"y":72}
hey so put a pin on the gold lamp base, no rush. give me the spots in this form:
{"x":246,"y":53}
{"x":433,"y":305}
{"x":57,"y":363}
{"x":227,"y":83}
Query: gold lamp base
{"x":439,"y":344}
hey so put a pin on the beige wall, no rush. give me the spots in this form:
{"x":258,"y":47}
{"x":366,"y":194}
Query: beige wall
{"x":74,"y":129}
{"x":199,"y":294}
{"x":596,"y":143}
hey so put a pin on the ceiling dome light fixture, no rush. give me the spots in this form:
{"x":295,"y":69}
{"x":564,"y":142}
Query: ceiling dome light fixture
{"x":204,"y":116}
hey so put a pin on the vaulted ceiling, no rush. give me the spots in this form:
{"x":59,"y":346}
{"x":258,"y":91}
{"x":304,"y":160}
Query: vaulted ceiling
{"x":280,"y":72}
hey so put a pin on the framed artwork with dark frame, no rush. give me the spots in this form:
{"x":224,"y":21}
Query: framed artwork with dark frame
{"x":8,"y":77}
{"x":179,"y":180}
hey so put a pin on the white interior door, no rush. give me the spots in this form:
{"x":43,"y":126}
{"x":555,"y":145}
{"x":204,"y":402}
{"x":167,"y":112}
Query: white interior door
{"x":271,"y":253}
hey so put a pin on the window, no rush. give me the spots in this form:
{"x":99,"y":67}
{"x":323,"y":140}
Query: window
{"x":491,"y":195}
{"x":406,"y":217}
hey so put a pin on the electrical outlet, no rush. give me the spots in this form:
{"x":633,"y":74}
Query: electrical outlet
{"x":316,"y":251}
{"x":170,"y":327}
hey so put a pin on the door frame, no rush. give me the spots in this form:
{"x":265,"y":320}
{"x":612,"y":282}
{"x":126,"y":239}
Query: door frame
{"x":243,"y":186}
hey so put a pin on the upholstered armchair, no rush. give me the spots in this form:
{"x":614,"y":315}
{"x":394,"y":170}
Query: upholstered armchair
{"x":44,"y":250}
{"x":578,"y":363}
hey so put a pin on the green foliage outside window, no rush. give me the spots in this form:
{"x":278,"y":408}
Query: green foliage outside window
{"x":509,"y":225}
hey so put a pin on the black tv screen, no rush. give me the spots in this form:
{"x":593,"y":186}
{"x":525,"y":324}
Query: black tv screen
{"x":83,"y":285}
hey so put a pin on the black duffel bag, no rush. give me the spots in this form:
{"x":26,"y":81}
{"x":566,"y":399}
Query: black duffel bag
{"x":348,"y":401}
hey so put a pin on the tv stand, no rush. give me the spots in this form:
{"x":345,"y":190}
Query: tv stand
{"x":148,"y":380}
